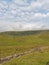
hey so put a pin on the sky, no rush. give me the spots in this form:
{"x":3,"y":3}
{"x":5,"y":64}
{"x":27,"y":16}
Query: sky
{"x":20,"y":15}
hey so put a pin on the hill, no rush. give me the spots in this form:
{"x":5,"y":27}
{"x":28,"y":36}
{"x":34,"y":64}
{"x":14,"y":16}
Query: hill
{"x":16,"y":38}
{"x":17,"y":42}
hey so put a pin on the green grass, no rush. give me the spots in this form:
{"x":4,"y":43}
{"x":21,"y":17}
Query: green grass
{"x":35,"y":58}
{"x":16,"y":42}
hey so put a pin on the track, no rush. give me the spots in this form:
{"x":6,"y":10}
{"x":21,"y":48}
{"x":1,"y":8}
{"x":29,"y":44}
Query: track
{"x":8,"y":58}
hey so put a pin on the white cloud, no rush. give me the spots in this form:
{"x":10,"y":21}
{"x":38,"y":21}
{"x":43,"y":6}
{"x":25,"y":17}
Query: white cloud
{"x":40,"y":15}
{"x":19,"y":26}
{"x":14,"y":12}
{"x":22,"y":2}
{"x":24,"y":15}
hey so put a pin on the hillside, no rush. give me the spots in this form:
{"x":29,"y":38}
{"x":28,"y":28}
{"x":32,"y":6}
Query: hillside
{"x":18,"y":42}
{"x":31,"y":37}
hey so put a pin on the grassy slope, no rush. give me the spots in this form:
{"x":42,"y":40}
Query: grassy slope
{"x":16,"y":42}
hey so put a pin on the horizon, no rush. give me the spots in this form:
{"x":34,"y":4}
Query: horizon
{"x":25,"y":30}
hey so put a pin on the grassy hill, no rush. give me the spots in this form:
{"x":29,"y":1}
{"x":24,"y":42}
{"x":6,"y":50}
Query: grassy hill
{"x":17,"y":42}
{"x":31,"y":37}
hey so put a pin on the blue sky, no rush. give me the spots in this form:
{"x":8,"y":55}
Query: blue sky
{"x":17,"y":15}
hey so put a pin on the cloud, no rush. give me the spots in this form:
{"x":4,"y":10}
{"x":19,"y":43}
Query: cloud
{"x":22,"y":26}
{"x":24,"y":14}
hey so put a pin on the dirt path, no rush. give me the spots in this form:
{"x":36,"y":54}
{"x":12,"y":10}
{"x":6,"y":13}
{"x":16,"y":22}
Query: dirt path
{"x":8,"y":58}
